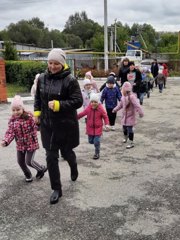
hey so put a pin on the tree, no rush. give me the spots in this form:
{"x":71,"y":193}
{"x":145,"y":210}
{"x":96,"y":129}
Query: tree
{"x":79,"y":25}
{"x":73,"y":41}
{"x":97,"y":42}
{"x":59,"y":40}
{"x":122,"y":35}
{"x":36,"y":23}
{"x":10,"y":52}
{"x":168,"y":42}
{"x":145,"y":34}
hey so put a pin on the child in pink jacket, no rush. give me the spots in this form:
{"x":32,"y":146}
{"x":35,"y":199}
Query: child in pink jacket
{"x":88,"y":75}
{"x":96,"y":114}
{"x":130,"y":106}
{"x":23,"y":129}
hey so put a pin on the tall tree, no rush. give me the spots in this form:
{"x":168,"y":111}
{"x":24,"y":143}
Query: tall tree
{"x":10,"y":52}
{"x":79,"y":25}
{"x":73,"y":41}
{"x":37,"y":23}
{"x":97,"y":42}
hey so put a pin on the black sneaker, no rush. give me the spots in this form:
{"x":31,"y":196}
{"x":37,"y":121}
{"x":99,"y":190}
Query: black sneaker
{"x":96,"y":156}
{"x":40,"y":173}
{"x":28,"y":179}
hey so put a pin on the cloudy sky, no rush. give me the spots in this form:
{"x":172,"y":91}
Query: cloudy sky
{"x":163,"y":15}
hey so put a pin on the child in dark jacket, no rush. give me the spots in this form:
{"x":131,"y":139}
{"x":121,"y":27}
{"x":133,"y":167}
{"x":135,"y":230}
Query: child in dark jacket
{"x":111,"y":94}
{"x":23,"y":129}
{"x":96,"y":114}
{"x":160,"y":79}
{"x":105,"y":84}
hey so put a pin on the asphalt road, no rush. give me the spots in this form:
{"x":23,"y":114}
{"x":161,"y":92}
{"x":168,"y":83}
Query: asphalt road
{"x":125,"y":195}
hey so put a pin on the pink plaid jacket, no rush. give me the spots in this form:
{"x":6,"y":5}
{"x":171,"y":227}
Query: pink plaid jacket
{"x":24,"y":131}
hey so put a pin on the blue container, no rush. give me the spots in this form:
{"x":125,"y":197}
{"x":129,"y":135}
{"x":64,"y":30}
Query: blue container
{"x":134,"y":43}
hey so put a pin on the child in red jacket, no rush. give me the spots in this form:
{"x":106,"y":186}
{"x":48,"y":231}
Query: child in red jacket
{"x":96,"y":114}
{"x":23,"y":129}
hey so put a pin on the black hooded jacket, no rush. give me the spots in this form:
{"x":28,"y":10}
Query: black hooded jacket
{"x":58,"y":129}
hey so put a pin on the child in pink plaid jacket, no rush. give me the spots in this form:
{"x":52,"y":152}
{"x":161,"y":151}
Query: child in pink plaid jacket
{"x":23,"y":129}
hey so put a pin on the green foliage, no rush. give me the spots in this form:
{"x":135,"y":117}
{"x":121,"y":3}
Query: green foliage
{"x":73,"y":41}
{"x":97,"y":42}
{"x":123,"y":33}
{"x":14,"y":88}
{"x":10,"y":52}
{"x":80,"y":31}
{"x":79,"y":25}
{"x":59,"y":40}
{"x":37,"y":23}
{"x":168,"y":42}
{"x":23,"y":72}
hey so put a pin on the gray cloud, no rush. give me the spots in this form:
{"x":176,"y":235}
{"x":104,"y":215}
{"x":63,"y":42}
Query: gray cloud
{"x":161,"y":14}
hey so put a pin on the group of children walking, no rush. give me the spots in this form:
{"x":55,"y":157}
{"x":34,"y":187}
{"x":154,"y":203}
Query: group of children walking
{"x":22,"y":128}
{"x":115,"y":99}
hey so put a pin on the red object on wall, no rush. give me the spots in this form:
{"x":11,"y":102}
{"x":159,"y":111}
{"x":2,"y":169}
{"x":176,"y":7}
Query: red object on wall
{"x":3,"y":89}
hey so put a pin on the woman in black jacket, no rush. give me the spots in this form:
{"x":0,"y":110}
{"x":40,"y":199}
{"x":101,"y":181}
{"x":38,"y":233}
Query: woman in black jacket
{"x":124,"y":68}
{"x":135,"y":78}
{"x":155,"y":70}
{"x":57,"y":98}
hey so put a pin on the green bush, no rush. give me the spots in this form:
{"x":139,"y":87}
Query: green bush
{"x":174,"y":73}
{"x":23,"y":72}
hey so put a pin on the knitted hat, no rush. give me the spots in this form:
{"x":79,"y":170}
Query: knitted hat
{"x":144,"y":69}
{"x":112,"y":74}
{"x":148,"y":70}
{"x":89,"y":74}
{"x":57,"y":54}
{"x":17,"y":102}
{"x":111,"y":80}
{"x":94,"y":97}
{"x":86,"y":81}
{"x":127,"y":87}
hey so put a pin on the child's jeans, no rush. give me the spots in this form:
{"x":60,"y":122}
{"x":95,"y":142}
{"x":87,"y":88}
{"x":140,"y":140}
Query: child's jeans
{"x":160,"y":87}
{"x":128,"y":132}
{"x":141,"y":98}
{"x":96,"y":141}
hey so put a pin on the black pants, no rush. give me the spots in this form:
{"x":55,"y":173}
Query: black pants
{"x":128,"y":132}
{"x":52,"y":158}
{"x":25,"y":159}
{"x":111,"y":116}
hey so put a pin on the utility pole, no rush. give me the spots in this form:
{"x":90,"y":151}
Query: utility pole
{"x":105,"y":38}
{"x":115,"y":36}
{"x":52,"y":44}
{"x":111,"y":40}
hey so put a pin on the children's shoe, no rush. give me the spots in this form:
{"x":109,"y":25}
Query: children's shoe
{"x":125,"y":139}
{"x":96,"y":156}
{"x":40,"y":173}
{"x":29,"y":179}
{"x":113,"y":128}
{"x":130,"y":145}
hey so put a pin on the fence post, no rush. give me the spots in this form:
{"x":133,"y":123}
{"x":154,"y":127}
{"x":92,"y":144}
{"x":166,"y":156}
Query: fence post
{"x":3,"y":90}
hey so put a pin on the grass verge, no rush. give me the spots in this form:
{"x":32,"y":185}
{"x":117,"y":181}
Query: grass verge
{"x":13,"y":89}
